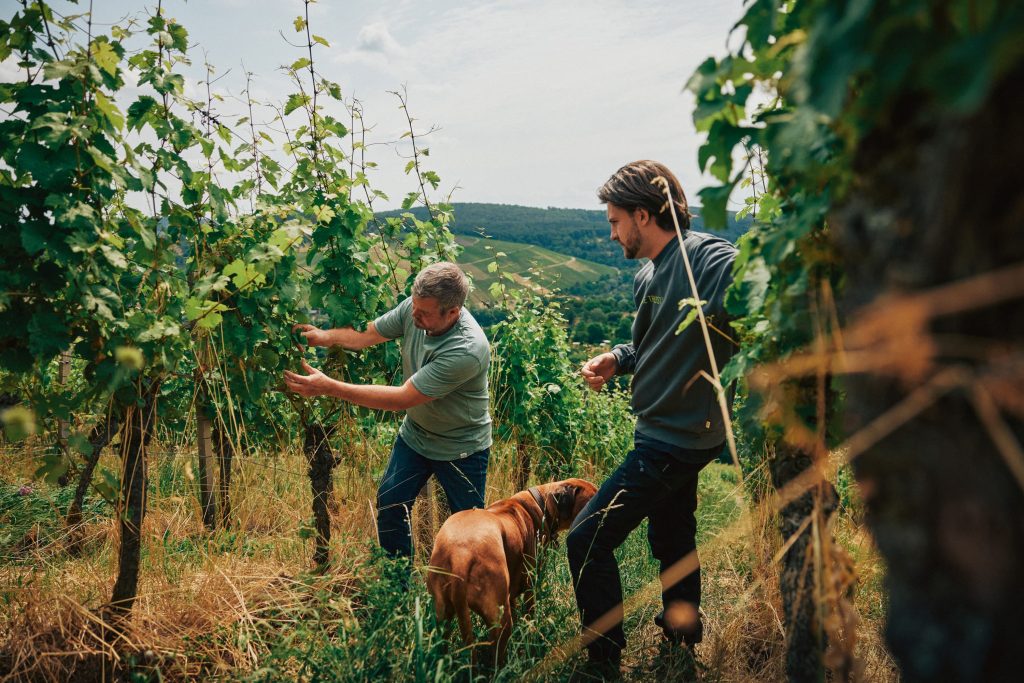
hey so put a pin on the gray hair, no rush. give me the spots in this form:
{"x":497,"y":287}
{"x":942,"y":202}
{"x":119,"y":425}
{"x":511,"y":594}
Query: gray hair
{"x":443,"y":281}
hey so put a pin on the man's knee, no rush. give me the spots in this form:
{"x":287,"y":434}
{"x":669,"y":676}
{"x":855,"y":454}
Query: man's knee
{"x":391,"y":506}
{"x":578,"y":542}
{"x":670,"y":545}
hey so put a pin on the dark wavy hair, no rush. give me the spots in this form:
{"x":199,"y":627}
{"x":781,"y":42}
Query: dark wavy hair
{"x":632,"y":187}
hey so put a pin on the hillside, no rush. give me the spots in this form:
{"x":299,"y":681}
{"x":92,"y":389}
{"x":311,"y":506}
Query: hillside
{"x":582,"y":233}
{"x":526,"y":263}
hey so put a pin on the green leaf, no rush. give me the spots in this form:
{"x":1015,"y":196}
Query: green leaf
{"x":301,"y":63}
{"x":109,"y":110}
{"x":323,"y":214}
{"x":294,"y":102}
{"x":691,"y":315}
{"x":80,"y":443}
{"x":139,"y":111}
{"x":104,"y":56}
{"x":283,"y":237}
{"x":244,"y":275}
{"x":107,"y":485}
{"x":299,"y":24}
{"x":321,"y":40}
{"x":19,"y":422}
{"x":160,"y":329}
{"x":224,"y":133}
{"x":713,"y":203}
{"x":53,"y":466}
{"x":207,"y":313}
{"x":722,"y":139}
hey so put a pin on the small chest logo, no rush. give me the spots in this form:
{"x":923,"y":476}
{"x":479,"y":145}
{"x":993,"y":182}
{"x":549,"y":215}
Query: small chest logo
{"x":653,"y":299}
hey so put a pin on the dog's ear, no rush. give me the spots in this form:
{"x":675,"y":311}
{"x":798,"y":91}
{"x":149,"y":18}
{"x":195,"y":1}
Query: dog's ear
{"x":565,"y":500}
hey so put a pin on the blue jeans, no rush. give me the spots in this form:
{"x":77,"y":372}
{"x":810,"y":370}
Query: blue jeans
{"x":657,"y":481}
{"x":463,"y":481}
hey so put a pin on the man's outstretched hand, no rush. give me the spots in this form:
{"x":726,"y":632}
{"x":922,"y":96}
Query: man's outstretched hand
{"x":314,"y":335}
{"x":315,"y":383}
{"x":599,"y":370}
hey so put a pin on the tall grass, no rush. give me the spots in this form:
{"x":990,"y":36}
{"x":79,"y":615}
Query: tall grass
{"x":242,"y":604}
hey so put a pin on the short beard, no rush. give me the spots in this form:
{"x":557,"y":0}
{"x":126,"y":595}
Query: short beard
{"x":630,"y":248}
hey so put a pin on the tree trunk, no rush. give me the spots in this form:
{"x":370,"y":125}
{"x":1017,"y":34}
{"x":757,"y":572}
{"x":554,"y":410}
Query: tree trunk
{"x":101,"y":435}
{"x":204,"y":435}
{"x":799,"y":574}
{"x":138,"y":430}
{"x":938,"y":201}
{"x":225,"y":455}
{"x":321,"y":466}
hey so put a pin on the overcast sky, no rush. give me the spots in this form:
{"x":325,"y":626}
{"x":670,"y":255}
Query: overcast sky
{"x":536,"y":103}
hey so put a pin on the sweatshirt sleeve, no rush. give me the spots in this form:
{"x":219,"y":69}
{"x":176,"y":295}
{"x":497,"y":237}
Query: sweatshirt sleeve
{"x":717,"y":277}
{"x":625,"y":355}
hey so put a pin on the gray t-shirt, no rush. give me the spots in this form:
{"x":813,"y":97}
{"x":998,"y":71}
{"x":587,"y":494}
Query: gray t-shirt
{"x":452,"y":370}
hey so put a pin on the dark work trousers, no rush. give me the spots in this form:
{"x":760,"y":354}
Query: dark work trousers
{"x":657,"y":481}
{"x":463,"y":481}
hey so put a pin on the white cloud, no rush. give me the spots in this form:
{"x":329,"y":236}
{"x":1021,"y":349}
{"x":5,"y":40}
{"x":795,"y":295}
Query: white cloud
{"x":375,"y":37}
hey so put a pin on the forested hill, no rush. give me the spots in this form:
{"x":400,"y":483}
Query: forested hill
{"x":582,"y":233}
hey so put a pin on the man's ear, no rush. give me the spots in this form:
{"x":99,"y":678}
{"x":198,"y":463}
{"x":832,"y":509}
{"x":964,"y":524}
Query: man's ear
{"x":642,"y":216}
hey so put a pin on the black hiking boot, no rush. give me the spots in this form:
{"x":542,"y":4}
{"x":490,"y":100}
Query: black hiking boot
{"x":598,"y":668}
{"x":690,"y":635}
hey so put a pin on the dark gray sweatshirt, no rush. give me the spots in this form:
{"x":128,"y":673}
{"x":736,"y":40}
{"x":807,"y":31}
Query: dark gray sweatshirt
{"x":672,"y":402}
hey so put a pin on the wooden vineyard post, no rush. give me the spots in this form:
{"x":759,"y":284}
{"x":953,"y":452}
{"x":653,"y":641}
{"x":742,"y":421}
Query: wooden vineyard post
{"x":64,"y":426}
{"x":204,"y":434}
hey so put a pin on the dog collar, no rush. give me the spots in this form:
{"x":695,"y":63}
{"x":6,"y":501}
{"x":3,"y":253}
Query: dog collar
{"x":536,"y":493}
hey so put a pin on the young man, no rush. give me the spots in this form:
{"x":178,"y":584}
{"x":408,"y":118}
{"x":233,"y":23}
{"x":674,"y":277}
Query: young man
{"x":679,"y":425}
{"x":447,"y":426}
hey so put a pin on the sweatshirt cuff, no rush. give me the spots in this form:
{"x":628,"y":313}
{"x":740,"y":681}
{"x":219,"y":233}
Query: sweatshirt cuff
{"x":622,"y":360}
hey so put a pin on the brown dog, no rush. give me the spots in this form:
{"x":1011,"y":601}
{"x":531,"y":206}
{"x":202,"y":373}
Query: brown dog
{"x":482,"y":558}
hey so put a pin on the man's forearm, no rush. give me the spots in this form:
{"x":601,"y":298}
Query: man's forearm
{"x":376,"y":396}
{"x":348,"y":338}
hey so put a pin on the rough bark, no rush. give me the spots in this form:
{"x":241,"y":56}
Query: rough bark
{"x":937,"y":202}
{"x":138,"y":430}
{"x":321,"y":466}
{"x":101,"y":435}
{"x":798,"y":576}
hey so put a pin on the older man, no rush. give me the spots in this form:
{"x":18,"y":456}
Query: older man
{"x":447,"y":426}
{"x":679,"y":426}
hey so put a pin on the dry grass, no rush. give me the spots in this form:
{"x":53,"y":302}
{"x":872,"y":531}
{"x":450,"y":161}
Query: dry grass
{"x":211,"y":604}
